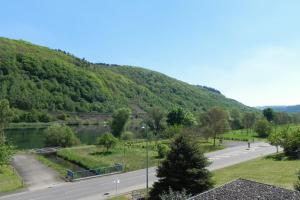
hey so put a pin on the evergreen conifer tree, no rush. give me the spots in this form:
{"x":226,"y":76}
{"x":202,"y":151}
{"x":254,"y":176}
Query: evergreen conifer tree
{"x":183,"y":169}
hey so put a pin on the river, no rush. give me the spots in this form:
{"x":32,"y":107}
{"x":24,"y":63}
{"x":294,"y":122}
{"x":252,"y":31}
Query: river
{"x":30,"y":138}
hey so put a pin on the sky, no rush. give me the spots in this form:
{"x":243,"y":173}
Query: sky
{"x":247,"y":49}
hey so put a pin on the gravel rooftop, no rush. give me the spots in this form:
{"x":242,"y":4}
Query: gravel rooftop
{"x":242,"y":189}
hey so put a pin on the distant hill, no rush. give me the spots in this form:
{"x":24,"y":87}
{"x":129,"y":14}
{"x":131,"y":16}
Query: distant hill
{"x":289,"y":109}
{"x":36,"y":77}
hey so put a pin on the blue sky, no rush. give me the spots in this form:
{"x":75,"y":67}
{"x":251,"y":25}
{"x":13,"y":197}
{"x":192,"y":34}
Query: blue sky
{"x":248,"y":49}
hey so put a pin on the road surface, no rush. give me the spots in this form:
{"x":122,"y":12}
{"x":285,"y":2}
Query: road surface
{"x":101,"y":188}
{"x":35,"y":174}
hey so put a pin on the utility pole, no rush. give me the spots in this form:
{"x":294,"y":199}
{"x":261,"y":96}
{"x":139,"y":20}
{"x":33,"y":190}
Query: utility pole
{"x":147,"y":159}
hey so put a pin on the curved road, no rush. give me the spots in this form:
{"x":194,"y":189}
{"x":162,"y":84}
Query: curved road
{"x":96,"y":189}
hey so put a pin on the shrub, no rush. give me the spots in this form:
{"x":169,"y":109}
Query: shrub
{"x":127,"y":135}
{"x":162,"y":150}
{"x":107,"y":140}
{"x":60,"y":135}
{"x":263,"y":128}
{"x":177,"y":195}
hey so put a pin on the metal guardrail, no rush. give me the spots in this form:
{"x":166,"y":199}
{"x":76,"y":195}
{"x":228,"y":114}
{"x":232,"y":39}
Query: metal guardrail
{"x":46,"y":150}
{"x":71,"y":175}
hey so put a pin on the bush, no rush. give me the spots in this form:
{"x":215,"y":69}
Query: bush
{"x":263,"y":128}
{"x":127,"y":135}
{"x":60,"y":135}
{"x":107,"y":140}
{"x":162,"y":150}
{"x":291,"y":143}
{"x":174,"y":195}
{"x":44,"y":117}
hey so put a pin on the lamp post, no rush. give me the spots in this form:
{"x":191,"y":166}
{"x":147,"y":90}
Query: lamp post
{"x":147,"y":158}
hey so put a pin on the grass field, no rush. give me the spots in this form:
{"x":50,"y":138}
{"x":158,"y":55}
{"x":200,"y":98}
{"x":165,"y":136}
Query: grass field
{"x":264,"y":170}
{"x":8,"y":180}
{"x":244,"y":135}
{"x":133,"y":155}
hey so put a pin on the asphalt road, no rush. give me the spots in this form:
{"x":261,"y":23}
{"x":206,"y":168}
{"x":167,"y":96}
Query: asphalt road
{"x":98,"y":188}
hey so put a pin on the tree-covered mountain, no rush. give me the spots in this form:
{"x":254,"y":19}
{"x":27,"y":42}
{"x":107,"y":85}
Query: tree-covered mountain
{"x":36,"y":77}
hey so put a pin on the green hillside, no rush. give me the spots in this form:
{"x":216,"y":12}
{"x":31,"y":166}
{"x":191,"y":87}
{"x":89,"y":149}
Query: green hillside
{"x":36,"y":77}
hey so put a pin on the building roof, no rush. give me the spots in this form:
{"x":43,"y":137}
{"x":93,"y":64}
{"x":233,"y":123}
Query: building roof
{"x":242,"y":189}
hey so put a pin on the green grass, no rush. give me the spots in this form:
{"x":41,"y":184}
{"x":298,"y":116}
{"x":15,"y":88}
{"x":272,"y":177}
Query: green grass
{"x":8,"y":180}
{"x":91,"y":156}
{"x":240,"y":135}
{"x":244,"y":135}
{"x":264,"y":170}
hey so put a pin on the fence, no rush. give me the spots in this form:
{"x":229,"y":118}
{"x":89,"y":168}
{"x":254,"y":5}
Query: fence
{"x":71,"y":175}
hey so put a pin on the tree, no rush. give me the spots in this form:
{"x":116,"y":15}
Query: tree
{"x":263,"y":128}
{"x":60,"y":135}
{"x":275,"y":139}
{"x":297,"y":185}
{"x":155,"y":120}
{"x":162,"y":150}
{"x":235,"y":120}
{"x":178,"y":116}
{"x":269,"y":114}
{"x":177,"y":195}
{"x":215,"y":121}
{"x":183,"y":169}
{"x":248,"y":120}
{"x":120,"y":119}
{"x":281,"y":118}
{"x":6,"y":114}
{"x":289,"y":140}
{"x":6,"y":151}
{"x":107,"y":140}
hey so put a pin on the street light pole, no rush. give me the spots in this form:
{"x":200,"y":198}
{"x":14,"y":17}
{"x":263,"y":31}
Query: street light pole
{"x":147,"y":159}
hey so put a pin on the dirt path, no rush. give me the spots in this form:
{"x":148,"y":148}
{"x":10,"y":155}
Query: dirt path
{"x":35,"y":174}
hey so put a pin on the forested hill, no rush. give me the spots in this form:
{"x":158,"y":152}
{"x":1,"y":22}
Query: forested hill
{"x":36,"y":77}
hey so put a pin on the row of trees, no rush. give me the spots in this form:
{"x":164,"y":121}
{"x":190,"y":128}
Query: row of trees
{"x":6,"y":149}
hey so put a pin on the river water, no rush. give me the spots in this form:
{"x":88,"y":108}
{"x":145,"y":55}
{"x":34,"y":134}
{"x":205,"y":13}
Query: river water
{"x":30,"y":138}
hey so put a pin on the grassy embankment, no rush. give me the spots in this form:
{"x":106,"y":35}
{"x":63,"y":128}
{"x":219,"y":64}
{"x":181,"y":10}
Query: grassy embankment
{"x":92,"y":156}
{"x":244,"y":135}
{"x":9,"y":181}
{"x":280,"y":173}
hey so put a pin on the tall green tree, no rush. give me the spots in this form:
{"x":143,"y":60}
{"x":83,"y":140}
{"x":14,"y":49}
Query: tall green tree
{"x":60,"y":135}
{"x":178,"y":116}
{"x":269,"y":114}
{"x":155,"y":120}
{"x":215,"y":121}
{"x":235,"y":119}
{"x":249,"y":120}
{"x":6,"y":114}
{"x":120,"y":120}
{"x":107,"y":140}
{"x":263,"y":128}
{"x":6,"y":150}
{"x":183,"y":169}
